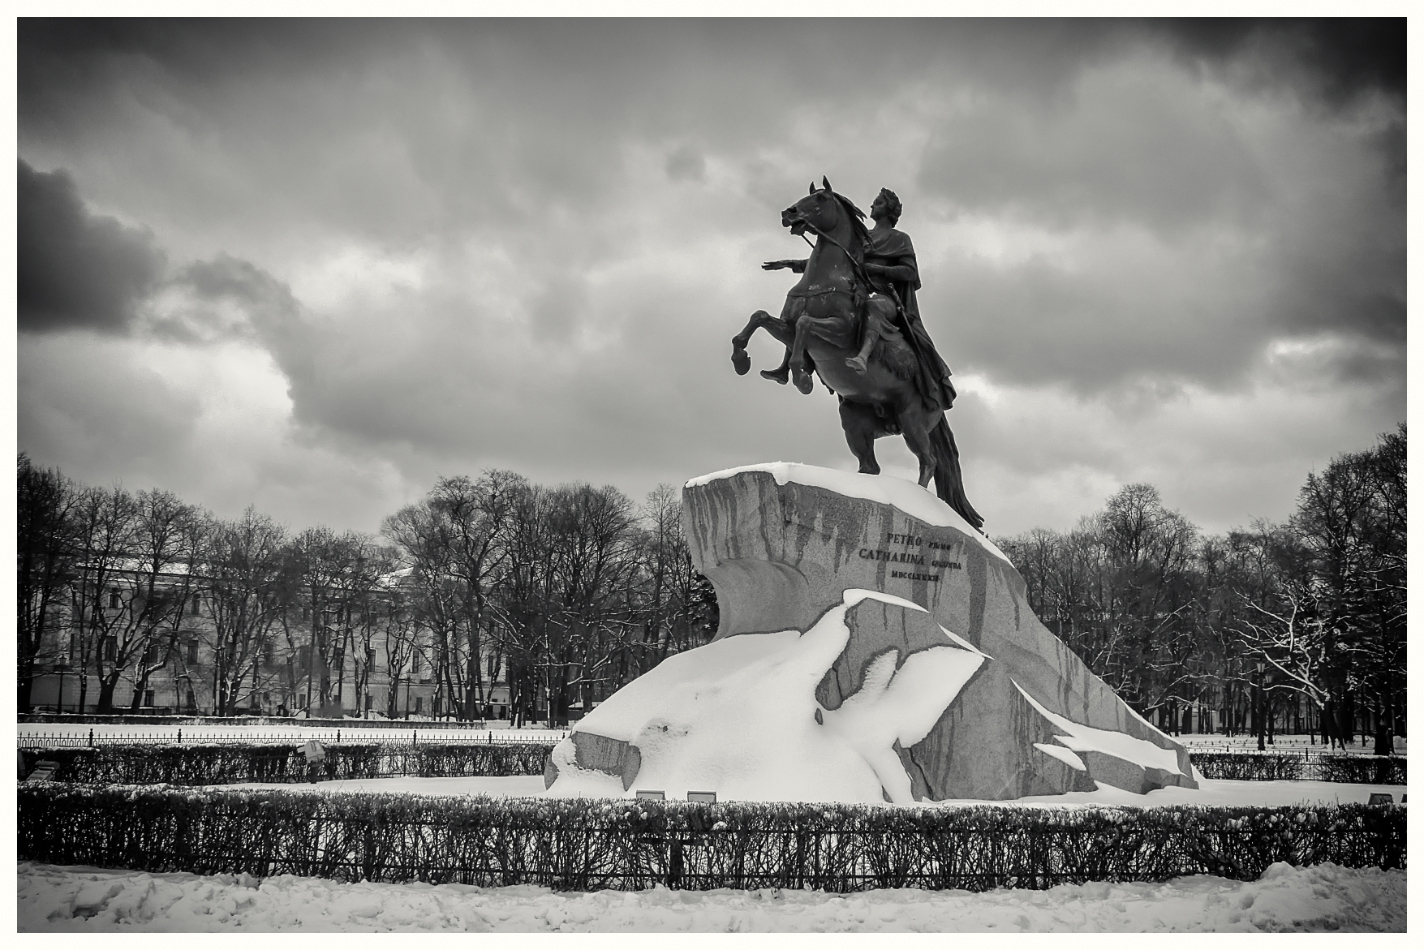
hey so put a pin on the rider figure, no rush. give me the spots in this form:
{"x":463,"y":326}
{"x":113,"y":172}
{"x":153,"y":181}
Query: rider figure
{"x":890,"y":265}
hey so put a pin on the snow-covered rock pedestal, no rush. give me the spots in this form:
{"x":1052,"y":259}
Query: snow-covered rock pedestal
{"x":872,"y":647}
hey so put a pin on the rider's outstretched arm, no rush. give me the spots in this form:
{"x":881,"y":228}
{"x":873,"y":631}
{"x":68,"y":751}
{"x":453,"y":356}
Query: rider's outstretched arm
{"x":796,"y":267}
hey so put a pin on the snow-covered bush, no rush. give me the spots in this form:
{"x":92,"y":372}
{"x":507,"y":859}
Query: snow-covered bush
{"x":587,"y":844}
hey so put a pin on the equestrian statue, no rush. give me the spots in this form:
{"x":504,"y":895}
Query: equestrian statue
{"x":854,"y":321}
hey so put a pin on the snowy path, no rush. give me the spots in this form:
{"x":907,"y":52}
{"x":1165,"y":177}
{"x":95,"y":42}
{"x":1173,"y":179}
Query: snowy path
{"x":1325,"y":897}
{"x":1212,"y":791}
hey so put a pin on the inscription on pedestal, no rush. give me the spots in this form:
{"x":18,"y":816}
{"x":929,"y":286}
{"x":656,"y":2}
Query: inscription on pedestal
{"x":917,"y":558}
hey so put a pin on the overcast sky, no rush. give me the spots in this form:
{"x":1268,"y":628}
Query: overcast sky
{"x":311,"y":267}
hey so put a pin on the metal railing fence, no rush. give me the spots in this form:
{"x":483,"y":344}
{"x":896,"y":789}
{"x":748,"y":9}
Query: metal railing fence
{"x":31,"y":739}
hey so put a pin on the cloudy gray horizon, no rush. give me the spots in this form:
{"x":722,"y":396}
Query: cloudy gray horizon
{"x":313,"y":265}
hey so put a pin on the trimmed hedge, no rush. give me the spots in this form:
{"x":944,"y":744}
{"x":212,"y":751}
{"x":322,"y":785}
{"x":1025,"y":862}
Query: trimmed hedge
{"x":1251,"y":767}
{"x":586,"y":845}
{"x":1293,"y":767}
{"x":1365,"y":769}
{"x":227,"y":763}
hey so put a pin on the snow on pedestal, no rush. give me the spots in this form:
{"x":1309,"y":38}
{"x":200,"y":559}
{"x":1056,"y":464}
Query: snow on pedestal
{"x":872,"y":647}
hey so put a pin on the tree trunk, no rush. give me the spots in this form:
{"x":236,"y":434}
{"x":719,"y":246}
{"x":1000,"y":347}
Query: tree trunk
{"x":1384,"y":719}
{"x":106,"y":693}
{"x":26,"y":684}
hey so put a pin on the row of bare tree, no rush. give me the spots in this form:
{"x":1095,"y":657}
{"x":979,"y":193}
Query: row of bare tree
{"x":1176,"y":620}
{"x":569,"y":591}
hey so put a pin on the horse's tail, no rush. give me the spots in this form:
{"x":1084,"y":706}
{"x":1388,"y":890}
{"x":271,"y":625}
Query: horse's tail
{"x":949,"y":479}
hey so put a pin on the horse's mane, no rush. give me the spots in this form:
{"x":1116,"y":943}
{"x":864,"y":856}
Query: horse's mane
{"x":857,"y":219}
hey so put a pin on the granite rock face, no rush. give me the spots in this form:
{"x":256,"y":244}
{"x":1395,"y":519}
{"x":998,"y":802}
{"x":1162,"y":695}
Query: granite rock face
{"x":784,"y":545}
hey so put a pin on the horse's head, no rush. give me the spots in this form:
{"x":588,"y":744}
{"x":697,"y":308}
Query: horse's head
{"x":822,"y":211}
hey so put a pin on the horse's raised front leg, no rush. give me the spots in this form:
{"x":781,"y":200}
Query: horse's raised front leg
{"x":741,"y":362}
{"x":784,"y":330}
{"x":797,"y":359}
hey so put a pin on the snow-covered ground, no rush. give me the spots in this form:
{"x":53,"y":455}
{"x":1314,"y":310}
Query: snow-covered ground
{"x":1320,"y":898}
{"x":1211,"y":792}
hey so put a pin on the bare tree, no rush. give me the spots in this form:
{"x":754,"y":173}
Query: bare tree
{"x":241,"y":564}
{"x":165,"y":540}
{"x":48,"y":560}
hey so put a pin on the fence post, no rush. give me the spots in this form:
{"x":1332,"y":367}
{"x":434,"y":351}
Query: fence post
{"x":91,"y":738}
{"x":180,"y":736}
{"x":338,"y":737}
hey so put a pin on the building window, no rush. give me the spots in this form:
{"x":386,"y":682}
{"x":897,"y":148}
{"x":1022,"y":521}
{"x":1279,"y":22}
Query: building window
{"x":267,"y":655}
{"x":150,"y":657}
{"x":370,"y":701}
{"x":111,"y":648}
{"x":192,"y":651}
{"x":148,"y":697}
{"x":417,"y":705}
{"x":370,"y":658}
{"x":197,"y":605}
{"x":192,"y":702}
{"x":114,"y":599}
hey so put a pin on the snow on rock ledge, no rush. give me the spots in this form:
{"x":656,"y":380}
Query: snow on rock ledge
{"x":872,"y":647}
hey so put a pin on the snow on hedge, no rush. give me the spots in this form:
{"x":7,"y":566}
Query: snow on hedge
{"x":1320,"y":898}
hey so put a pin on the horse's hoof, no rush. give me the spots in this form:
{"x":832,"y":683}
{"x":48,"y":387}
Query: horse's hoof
{"x":804,"y":383}
{"x":741,"y":362}
{"x":775,"y":375}
{"x":857,"y":364}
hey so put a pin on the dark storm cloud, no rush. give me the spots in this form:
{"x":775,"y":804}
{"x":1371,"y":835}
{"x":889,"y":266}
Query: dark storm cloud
{"x":76,"y":270}
{"x":257,"y":305}
{"x":1343,"y":58}
{"x":1131,"y":150}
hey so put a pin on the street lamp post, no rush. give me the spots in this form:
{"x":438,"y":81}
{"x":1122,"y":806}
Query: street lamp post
{"x":1259,"y":709}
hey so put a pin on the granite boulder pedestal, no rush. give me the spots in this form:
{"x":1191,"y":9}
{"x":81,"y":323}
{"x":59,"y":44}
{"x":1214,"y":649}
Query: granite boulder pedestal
{"x":872,"y":646}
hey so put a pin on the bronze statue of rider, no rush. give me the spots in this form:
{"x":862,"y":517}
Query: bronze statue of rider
{"x":892,"y":270}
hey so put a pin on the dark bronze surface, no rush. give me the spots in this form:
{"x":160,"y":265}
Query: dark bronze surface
{"x":853,"y":320}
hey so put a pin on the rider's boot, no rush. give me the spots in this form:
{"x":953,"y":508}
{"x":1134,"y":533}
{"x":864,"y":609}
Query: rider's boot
{"x":858,"y":361}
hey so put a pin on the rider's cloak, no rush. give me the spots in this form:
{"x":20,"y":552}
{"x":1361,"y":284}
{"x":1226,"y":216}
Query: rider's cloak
{"x":892,"y":248}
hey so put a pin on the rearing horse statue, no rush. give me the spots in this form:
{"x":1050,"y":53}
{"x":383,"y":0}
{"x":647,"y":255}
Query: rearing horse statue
{"x":824,"y":318}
